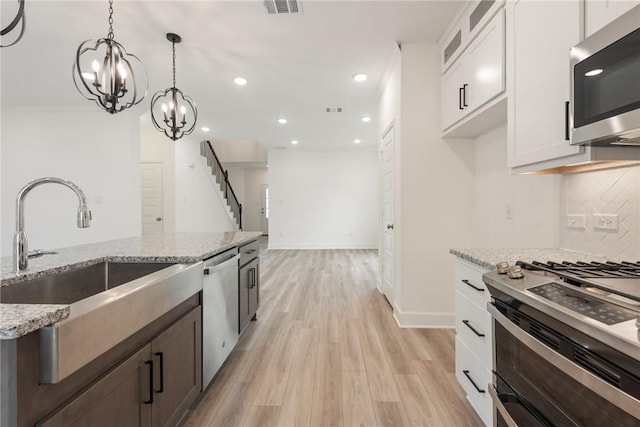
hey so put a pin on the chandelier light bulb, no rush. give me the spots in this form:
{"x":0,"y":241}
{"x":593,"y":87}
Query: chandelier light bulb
{"x":96,"y":66}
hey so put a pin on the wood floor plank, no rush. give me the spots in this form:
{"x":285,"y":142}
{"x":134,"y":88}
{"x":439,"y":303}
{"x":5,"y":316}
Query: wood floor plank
{"x":327,"y":408}
{"x":417,"y":404}
{"x":357,"y":403}
{"x":326,"y":351}
{"x":298,"y":398}
{"x":390,"y":414}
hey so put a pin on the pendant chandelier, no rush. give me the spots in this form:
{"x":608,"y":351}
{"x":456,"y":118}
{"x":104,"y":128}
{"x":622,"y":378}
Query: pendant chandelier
{"x":14,"y":23}
{"x":172,"y":112}
{"x":104,"y":72}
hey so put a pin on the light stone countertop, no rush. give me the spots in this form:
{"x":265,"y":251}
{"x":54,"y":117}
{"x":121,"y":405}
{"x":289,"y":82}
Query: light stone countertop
{"x":20,"y":319}
{"x":488,"y":258}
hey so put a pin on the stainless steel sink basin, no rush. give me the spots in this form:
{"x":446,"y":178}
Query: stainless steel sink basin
{"x":109,"y":302}
{"x":75,"y":285}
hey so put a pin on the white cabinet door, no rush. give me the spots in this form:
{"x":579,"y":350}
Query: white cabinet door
{"x":485,"y":65}
{"x":451,"y":96}
{"x":477,"y":76}
{"x":539,"y":37}
{"x":599,"y":13}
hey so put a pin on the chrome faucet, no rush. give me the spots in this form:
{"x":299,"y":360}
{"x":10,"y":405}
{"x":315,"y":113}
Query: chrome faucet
{"x":20,"y":250}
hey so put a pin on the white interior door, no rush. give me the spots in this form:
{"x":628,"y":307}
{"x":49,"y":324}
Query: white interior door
{"x":386,"y":282}
{"x":264,"y":209}
{"x":151,"y":194}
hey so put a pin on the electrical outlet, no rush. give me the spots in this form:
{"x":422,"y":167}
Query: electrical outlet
{"x":576,"y":221}
{"x":508,"y":212}
{"x":605,"y":222}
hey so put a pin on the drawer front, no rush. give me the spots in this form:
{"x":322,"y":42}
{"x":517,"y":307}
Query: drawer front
{"x":474,"y":379}
{"x":248,"y":252}
{"x":469,"y":283}
{"x":473,"y":326}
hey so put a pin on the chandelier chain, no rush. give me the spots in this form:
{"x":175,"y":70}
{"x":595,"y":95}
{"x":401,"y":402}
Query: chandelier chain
{"x":110,"y":34}
{"x":174,"y":63}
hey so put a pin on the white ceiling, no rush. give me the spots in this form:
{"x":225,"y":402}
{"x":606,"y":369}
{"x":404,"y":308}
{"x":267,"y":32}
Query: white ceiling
{"x":297,"y":65}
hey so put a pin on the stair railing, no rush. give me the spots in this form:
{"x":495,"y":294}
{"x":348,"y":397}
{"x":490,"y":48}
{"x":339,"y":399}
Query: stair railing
{"x":222,"y":178}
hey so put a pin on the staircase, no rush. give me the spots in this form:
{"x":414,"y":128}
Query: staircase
{"x":222,"y":178}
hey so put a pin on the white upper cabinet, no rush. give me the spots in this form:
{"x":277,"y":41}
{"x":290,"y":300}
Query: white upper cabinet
{"x":599,"y":13}
{"x":474,"y":69}
{"x":539,"y":36}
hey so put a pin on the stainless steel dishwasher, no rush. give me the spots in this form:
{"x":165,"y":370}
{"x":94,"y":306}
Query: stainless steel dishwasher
{"x":219,"y":312}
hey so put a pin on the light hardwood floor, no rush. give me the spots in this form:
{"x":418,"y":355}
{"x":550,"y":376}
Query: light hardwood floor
{"x":326,"y":351}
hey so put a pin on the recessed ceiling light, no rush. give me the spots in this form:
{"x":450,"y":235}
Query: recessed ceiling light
{"x":294,"y":142}
{"x":205,"y":129}
{"x":357,"y":141}
{"x":240,"y":81}
{"x":282,"y":121}
{"x":366,"y":119}
{"x":360,"y":77}
{"x":593,"y":72}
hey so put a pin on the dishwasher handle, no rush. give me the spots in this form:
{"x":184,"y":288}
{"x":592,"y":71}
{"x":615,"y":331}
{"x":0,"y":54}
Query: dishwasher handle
{"x":210,"y":270}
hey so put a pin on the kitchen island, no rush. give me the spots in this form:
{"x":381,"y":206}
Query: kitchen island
{"x":19,"y":319}
{"x":150,"y":373}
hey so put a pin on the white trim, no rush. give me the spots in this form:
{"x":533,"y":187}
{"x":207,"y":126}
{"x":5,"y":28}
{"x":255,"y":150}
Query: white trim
{"x":323,"y":246}
{"x":424,"y":320}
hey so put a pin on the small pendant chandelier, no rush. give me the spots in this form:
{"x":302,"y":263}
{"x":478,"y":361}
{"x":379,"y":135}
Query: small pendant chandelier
{"x":178,"y":111}
{"x":19,"y":18}
{"x":104,"y":72}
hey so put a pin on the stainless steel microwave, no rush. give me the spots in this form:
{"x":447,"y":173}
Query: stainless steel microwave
{"x":605,"y":85}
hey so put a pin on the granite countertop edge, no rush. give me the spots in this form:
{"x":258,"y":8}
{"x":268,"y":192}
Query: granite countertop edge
{"x":17,"y":320}
{"x":488,"y":257}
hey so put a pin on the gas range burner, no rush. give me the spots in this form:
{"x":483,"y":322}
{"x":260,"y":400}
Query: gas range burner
{"x":582,"y":269}
{"x":619,"y":280}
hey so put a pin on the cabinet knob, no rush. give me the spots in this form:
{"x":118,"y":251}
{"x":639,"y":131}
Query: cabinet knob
{"x":159,"y":219}
{"x":389,"y":226}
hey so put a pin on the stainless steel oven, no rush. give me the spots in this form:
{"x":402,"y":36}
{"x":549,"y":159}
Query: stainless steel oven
{"x":564,"y":354}
{"x":605,"y":85}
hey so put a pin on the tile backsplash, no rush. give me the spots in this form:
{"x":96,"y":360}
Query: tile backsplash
{"x":614,"y":191}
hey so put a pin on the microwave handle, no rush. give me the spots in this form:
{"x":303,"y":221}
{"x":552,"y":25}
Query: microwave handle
{"x":566,"y":121}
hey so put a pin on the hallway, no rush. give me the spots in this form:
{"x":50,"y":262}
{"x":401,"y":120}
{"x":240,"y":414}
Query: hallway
{"x":326,"y":350}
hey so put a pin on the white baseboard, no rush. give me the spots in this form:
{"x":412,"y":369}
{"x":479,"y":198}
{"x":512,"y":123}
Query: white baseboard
{"x":323,"y":246}
{"x":424,"y":320}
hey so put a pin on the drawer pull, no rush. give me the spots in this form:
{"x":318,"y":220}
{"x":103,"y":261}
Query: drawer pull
{"x":466,"y":282}
{"x":250,"y":251}
{"x":466,"y":322}
{"x":466,"y":374}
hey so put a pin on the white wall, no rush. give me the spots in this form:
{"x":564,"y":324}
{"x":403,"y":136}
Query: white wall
{"x":614,"y":191}
{"x":532,"y":199}
{"x":323,"y":198}
{"x":199,"y":203}
{"x":97,"y":151}
{"x":155,"y":147}
{"x":436,"y":179}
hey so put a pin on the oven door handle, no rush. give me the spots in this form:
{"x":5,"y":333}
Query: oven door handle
{"x":605,"y":390}
{"x":497,"y":403}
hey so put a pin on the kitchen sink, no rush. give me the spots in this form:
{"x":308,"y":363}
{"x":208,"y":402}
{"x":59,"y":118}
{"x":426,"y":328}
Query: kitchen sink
{"x":75,"y":285}
{"x":109,"y":302}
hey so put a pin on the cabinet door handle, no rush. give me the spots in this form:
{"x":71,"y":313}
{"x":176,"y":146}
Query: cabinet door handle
{"x":464,"y":95}
{"x":252,"y":278}
{"x":250,"y":251}
{"x":566,"y":121}
{"x":466,"y":282}
{"x":161,"y":356}
{"x":460,"y":98}
{"x":150,"y":364}
{"x":466,"y":374}
{"x":466,"y":322}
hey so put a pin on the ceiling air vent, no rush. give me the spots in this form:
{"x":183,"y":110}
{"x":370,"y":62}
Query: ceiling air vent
{"x":276,"y":7}
{"x":334,"y":110}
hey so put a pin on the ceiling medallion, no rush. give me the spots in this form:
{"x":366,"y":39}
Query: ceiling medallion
{"x":172,"y":105}
{"x":104,"y":72}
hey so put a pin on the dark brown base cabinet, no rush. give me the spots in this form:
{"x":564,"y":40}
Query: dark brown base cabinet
{"x":153,"y":387}
{"x":248,"y":284}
